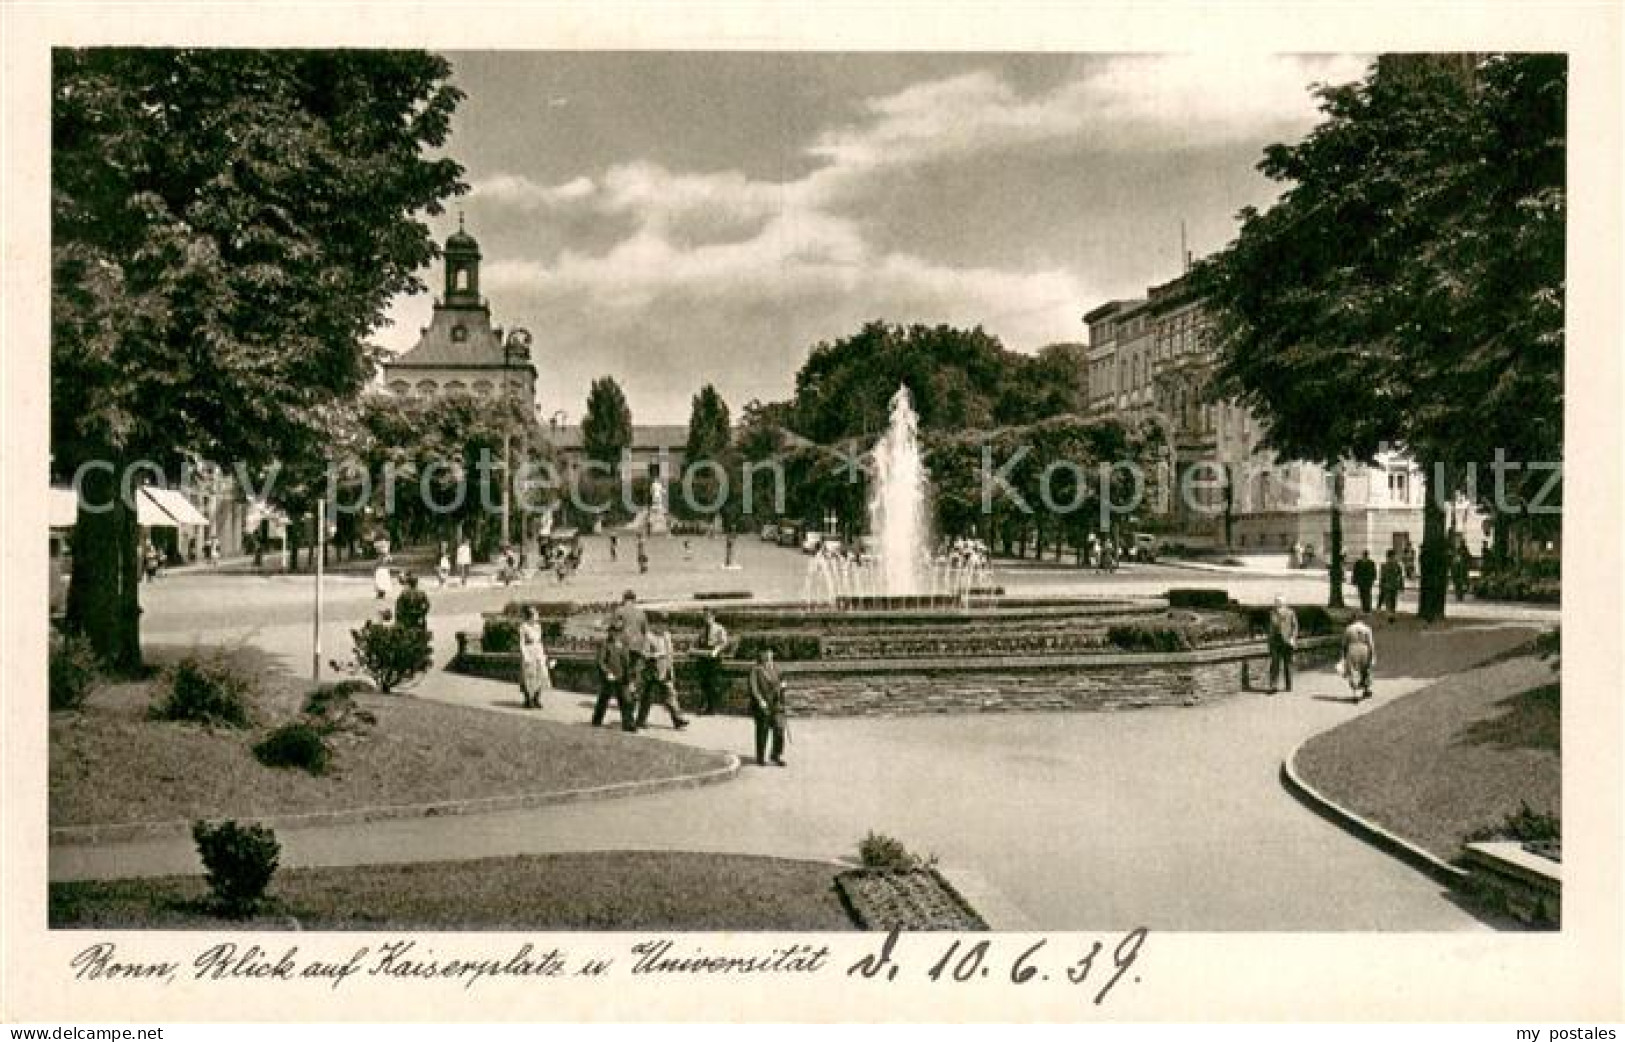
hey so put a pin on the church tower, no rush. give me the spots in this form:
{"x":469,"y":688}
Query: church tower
{"x":460,"y":352}
{"x":462,"y":270}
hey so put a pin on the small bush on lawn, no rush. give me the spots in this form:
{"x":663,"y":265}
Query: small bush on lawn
{"x":883,"y":852}
{"x":1314,"y":620}
{"x":332,"y":707}
{"x":391,"y":654}
{"x":208,"y":691}
{"x":238,"y":861}
{"x":1213,"y":600}
{"x":74,"y":671}
{"x":296,"y":744}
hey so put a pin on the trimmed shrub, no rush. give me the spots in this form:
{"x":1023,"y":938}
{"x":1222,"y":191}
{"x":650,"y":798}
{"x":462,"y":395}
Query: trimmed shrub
{"x":1314,"y":620}
{"x":296,"y":744}
{"x":74,"y":671}
{"x":501,"y":633}
{"x":545,"y":609}
{"x":724,"y":595}
{"x":332,"y":707}
{"x":208,"y":691}
{"x":391,"y":654}
{"x":1151,"y":636}
{"x":238,"y":861}
{"x":1211,"y":600}
{"x":786,"y":647}
{"x":1518,"y":586}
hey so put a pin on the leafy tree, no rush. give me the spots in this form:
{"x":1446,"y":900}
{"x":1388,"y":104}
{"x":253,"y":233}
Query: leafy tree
{"x":709,"y":428}
{"x":227,"y":229}
{"x":606,"y":428}
{"x":1386,"y":297}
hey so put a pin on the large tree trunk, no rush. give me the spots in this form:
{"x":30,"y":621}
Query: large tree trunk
{"x":104,"y":603}
{"x":1435,"y":559}
{"x":1334,"y":566}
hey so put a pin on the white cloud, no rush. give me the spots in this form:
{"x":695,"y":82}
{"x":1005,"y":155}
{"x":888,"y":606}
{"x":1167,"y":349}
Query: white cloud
{"x":772,"y":263}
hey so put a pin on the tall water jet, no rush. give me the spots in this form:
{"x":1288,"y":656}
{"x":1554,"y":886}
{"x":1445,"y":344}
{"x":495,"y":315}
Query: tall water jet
{"x":897,"y":517}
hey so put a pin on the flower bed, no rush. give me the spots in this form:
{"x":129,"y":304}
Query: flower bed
{"x":885,"y":899}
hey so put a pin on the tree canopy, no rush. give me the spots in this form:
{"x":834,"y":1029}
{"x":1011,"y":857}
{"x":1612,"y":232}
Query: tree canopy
{"x":709,"y":428}
{"x":228,"y":227}
{"x":606,"y":426}
{"x":1406,"y":290}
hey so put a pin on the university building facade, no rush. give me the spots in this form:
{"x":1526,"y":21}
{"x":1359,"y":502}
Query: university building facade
{"x":1154,"y":357}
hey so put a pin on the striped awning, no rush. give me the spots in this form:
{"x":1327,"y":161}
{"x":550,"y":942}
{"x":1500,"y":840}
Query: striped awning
{"x":176,"y":506}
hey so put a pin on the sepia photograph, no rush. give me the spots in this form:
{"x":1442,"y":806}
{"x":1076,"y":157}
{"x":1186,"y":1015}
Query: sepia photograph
{"x":669,"y":492}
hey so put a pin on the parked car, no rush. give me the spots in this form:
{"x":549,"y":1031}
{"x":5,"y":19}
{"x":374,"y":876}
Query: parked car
{"x":789,"y":534}
{"x":770,"y":533}
{"x":810,"y":541}
{"x":1145,"y":547}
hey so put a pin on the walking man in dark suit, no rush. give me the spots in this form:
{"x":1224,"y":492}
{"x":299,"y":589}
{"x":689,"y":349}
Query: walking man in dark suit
{"x":1365,"y":577}
{"x":767,"y":706}
{"x":615,"y":679}
{"x":1283,"y":641}
{"x":708,"y":663}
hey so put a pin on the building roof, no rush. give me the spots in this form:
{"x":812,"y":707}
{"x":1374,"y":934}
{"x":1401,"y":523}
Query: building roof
{"x":439,"y":346}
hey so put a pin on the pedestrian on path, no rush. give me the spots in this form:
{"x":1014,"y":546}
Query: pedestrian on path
{"x":1359,"y":658}
{"x":1459,"y":563}
{"x":768,"y":708}
{"x":1389,"y":585}
{"x":412,"y":606}
{"x":442,"y":568}
{"x":660,"y":680}
{"x":1283,"y":641}
{"x":614,"y":547}
{"x":643,"y":556}
{"x":614,"y":678}
{"x":465,"y":560}
{"x":533,"y":673}
{"x":708,"y":663}
{"x":1365,"y":577}
{"x":383,"y":581}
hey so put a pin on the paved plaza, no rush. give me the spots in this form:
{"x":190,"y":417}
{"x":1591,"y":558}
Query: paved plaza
{"x":1175,"y":819}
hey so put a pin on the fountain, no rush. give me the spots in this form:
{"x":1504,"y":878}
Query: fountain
{"x":897,"y":501}
{"x":901,"y":571}
{"x":899,"y":628}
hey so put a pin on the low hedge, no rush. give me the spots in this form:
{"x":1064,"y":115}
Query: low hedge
{"x":724,"y":595}
{"x":1214,"y":600}
{"x":544,"y":609}
{"x":1314,"y":620}
{"x":1506,"y":586}
{"x":501,"y":632}
{"x":786,"y":647}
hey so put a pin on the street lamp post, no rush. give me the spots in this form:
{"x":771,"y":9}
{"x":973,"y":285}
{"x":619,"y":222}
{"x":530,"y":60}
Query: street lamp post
{"x":321,"y":557}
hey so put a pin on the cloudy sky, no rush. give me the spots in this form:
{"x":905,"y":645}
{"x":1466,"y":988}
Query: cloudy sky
{"x":672,"y":219}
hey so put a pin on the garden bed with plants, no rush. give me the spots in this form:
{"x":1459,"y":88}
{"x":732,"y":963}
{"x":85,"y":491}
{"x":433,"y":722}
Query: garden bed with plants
{"x":256,"y":742}
{"x":895,"y":889}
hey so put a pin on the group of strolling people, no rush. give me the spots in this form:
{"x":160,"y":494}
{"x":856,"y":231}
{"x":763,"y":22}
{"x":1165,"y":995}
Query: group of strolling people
{"x":637,"y":671}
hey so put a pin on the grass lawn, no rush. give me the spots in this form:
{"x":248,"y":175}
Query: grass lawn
{"x":109,"y":764}
{"x":1452,"y":759}
{"x":586,"y":891}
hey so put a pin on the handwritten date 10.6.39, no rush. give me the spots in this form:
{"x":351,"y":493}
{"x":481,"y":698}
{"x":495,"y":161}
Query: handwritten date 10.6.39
{"x":961,"y":962}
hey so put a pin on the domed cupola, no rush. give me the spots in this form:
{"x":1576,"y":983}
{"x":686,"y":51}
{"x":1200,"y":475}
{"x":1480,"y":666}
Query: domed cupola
{"x":462,"y":269}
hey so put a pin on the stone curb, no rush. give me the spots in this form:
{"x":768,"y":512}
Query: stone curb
{"x":76,"y":835}
{"x":1390,"y":843}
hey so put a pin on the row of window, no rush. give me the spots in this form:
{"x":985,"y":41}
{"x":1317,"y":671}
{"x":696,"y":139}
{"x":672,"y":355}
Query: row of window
{"x":428,"y":387}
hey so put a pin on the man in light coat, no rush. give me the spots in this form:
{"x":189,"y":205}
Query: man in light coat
{"x":1283,"y":641}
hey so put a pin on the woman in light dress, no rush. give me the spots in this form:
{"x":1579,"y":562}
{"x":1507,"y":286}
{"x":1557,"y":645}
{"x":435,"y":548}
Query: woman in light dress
{"x":533,"y":675}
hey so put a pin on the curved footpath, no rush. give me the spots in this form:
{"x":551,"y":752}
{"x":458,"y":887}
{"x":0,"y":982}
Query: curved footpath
{"x":1174,"y":819}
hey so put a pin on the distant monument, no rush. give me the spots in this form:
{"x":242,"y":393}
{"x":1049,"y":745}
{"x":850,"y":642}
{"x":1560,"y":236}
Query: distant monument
{"x":657,"y":521}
